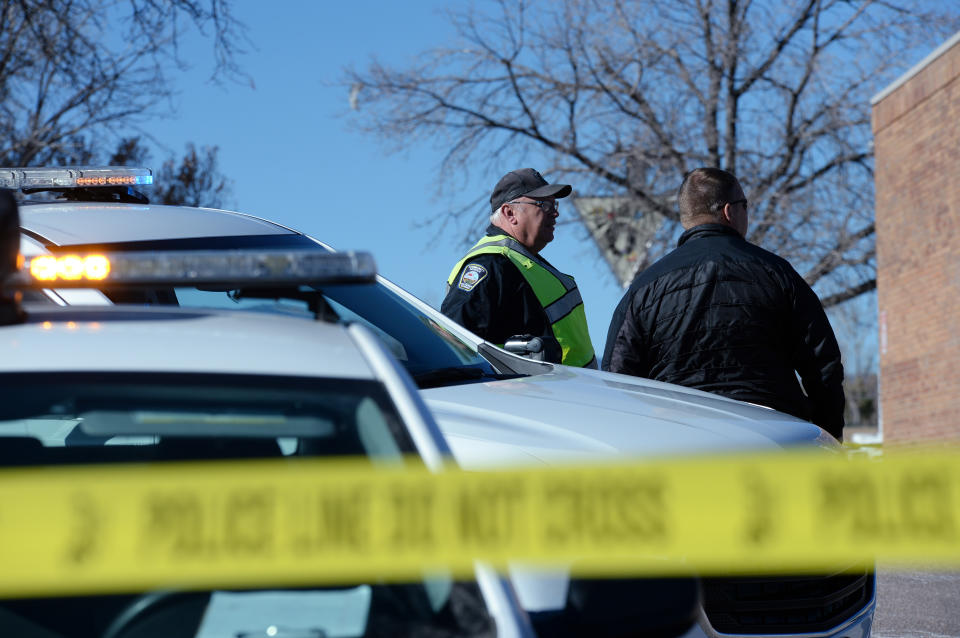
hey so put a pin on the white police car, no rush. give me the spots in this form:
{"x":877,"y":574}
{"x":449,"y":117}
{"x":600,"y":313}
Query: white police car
{"x":495,"y":408}
{"x":117,"y":383}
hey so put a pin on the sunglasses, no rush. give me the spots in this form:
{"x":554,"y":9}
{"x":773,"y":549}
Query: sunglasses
{"x":546,"y":205}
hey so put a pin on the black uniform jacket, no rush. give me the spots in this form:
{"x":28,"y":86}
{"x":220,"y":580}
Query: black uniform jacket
{"x":723,"y":315}
{"x":500,"y":305}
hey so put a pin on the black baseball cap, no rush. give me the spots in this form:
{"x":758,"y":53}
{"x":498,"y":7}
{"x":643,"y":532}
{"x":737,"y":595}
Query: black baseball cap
{"x":525,"y":182}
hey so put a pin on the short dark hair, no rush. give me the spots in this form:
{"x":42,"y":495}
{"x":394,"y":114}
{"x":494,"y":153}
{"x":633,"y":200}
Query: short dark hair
{"x":703,"y":193}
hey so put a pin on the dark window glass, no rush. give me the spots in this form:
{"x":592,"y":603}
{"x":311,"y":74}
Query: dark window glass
{"x":105,"y":417}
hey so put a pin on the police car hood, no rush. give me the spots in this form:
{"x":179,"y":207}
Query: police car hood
{"x":573,"y":414}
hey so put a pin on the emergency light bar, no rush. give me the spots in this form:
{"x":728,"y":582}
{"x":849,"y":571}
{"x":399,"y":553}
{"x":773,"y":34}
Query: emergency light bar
{"x":28,"y":179}
{"x":191,"y":268}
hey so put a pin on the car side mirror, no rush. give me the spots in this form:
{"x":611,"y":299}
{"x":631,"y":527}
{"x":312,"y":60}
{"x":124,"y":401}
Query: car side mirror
{"x":537,"y":348}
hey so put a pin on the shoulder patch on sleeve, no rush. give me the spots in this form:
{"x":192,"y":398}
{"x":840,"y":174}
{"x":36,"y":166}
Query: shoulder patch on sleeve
{"x":471,"y":276}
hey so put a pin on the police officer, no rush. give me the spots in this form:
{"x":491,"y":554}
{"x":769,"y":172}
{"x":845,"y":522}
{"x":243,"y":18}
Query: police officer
{"x":503,"y":288}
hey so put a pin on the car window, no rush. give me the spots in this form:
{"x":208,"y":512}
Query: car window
{"x":105,"y":417}
{"x":428,"y":345}
{"x":194,"y":298}
{"x":419,"y":342}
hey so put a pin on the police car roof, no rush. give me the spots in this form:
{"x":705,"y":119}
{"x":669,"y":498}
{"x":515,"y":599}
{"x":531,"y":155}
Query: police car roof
{"x":68,"y":223}
{"x":158,"y":339}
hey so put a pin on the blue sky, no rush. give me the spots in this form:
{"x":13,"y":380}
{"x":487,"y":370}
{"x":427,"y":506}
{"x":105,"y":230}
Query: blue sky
{"x":294,"y":159}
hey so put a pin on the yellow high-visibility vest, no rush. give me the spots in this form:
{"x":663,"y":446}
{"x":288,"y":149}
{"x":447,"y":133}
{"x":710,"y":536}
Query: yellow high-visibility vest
{"x":556,"y":292}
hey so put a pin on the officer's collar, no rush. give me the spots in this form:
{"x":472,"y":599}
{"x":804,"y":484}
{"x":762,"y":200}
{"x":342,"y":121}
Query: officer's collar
{"x":496,"y":231}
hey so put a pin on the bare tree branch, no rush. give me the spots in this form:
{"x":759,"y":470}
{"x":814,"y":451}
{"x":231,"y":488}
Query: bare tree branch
{"x":849,"y":293}
{"x":628,"y":95}
{"x":76,"y":74}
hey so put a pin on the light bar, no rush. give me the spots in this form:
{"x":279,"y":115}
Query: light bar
{"x":74,"y":177}
{"x":190,"y":268}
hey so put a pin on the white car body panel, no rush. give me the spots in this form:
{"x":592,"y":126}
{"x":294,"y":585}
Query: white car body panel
{"x":88,"y":223}
{"x":581,"y":415}
{"x":178,"y":340}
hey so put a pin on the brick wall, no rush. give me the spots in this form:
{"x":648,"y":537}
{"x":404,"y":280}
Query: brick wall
{"x":916,"y":132}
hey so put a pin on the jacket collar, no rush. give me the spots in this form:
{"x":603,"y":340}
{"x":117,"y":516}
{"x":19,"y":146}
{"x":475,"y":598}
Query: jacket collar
{"x":495,"y":231}
{"x":706,"y":230}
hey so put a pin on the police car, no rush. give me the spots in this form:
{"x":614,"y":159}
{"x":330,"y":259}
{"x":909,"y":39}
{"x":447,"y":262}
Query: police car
{"x":493,"y":408}
{"x":119,"y":383}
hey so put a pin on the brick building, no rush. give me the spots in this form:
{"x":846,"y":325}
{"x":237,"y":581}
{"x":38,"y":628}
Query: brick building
{"x":916,"y":129}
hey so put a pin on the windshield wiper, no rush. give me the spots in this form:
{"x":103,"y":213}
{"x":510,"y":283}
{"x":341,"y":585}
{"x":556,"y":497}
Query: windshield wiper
{"x":450,"y":376}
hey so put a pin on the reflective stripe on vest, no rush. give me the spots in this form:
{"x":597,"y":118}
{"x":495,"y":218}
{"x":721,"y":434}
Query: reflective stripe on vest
{"x":563,"y":306}
{"x":556,"y":292}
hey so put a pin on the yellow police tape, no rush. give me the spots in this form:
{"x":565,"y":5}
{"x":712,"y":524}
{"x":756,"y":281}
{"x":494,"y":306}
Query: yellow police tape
{"x":233,"y":524}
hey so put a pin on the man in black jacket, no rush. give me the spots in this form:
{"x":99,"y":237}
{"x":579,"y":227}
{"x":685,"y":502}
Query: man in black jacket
{"x":723,"y":315}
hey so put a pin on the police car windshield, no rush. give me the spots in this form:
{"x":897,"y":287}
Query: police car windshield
{"x":420,"y":343}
